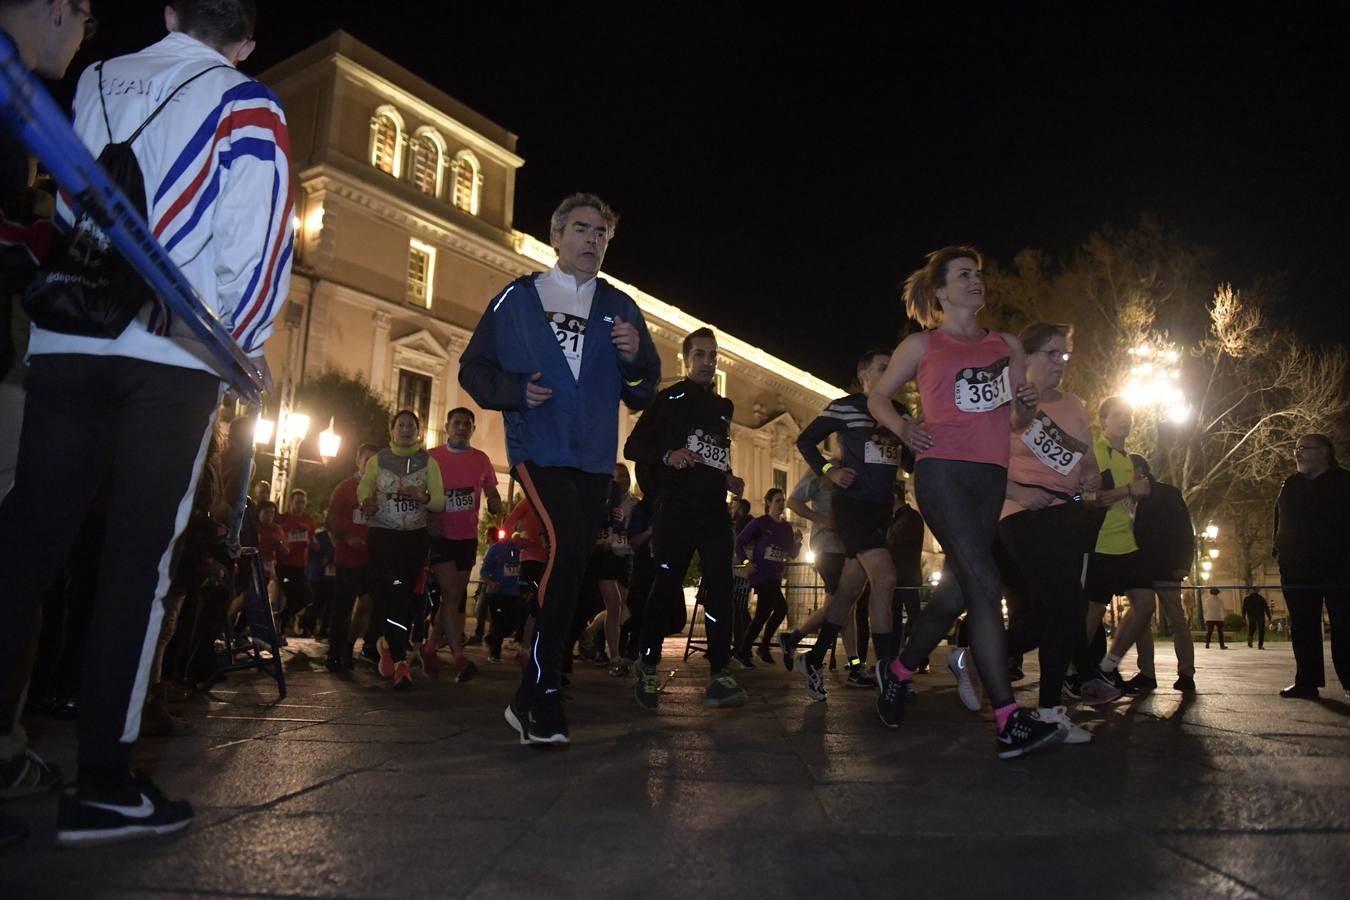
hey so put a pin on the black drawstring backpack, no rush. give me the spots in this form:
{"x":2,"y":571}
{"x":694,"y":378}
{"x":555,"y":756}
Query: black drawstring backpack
{"x":88,"y":288}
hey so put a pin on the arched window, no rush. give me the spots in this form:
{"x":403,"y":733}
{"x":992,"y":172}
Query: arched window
{"x":386,"y":140}
{"x":427,"y":150}
{"x":468,"y":182}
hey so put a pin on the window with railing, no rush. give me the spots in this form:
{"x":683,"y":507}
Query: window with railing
{"x":426,"y":164}
{"x":414,"y":392}
{"x":386,"y":134}
{"x":468,"y":182}
{"x":421,"y":270}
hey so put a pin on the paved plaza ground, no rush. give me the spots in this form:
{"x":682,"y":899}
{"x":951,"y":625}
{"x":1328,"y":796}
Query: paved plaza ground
{"x":347,"y":789}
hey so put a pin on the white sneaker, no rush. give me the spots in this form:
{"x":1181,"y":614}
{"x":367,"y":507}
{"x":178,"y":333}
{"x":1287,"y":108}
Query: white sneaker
{"x":958,"y":660}
{"x":1073,"y":734}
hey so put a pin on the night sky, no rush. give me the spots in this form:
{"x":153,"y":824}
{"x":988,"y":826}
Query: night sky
{"x":780,"y":173}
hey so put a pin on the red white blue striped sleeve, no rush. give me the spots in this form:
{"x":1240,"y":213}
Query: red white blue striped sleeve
{"x":231,"y":185}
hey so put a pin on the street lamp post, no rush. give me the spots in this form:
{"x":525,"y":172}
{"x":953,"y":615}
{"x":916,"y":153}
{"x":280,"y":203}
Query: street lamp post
{"x":1206,"y":552}
{"x":1155,"y":381}
{"x":289,"y":434}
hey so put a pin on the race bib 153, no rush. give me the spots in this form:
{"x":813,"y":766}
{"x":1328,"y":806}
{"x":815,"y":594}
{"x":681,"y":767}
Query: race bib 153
{"x":882,"y":453}
{"x":984,"y":389}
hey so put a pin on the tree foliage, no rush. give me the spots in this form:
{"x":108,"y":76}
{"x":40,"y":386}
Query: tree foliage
{"x":359,"y":415}
{"x":1251,"y":388}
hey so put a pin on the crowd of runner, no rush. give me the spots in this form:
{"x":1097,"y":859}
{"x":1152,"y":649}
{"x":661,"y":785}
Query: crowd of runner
{"x":1040,"y":525}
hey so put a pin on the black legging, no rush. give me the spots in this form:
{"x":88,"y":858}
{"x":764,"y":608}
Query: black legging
{"x":1042,"y":564}
{"x":770,"y":610}
{"x":960,"y":502}
{"x":396,"y":561}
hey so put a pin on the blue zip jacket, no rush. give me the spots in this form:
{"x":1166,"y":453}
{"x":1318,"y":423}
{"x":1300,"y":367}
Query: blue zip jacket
{"x":578,"y":427}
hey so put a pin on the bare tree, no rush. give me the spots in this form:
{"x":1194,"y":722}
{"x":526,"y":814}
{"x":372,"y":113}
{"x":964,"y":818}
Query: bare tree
{"x":1250,"y":389}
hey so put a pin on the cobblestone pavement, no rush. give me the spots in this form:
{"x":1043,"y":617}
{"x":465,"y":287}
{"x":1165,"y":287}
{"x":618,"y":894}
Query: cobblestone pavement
{"x":347,"y":789}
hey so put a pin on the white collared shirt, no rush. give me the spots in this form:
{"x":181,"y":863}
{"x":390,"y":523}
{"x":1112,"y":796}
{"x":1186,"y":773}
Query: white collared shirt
{"x":567,"y":306}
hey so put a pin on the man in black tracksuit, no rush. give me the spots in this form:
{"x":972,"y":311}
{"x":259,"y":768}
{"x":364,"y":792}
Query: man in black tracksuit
{"x":682,"y":446}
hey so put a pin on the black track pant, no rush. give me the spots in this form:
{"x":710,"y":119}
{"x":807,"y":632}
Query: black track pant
{"x":570,"y":503}
{"x":1304,"y":592}
{"x":295,"y":594}
{"x":677,"y":532}
{"x":1043,"y":546}
{"x":350,"y":583}
{"x":396,"y":561}
{"x":1256,"y":628}
{"x":139,"y":430}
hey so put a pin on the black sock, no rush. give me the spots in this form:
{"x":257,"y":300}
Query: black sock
{"x":825,"y":639}
{"x":885,"y":644}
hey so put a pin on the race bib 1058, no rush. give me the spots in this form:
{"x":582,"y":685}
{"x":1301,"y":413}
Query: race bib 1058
{"x":1052,"y":445}
{"x":711,"y":449}
{"x":984,"y":389}
{"x":299,"y":536}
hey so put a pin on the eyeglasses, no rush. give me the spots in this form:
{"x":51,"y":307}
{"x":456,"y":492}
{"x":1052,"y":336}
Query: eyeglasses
{"x":1063,"y":356}
{"x":90,"y":23}
{"x":1304,"y":448}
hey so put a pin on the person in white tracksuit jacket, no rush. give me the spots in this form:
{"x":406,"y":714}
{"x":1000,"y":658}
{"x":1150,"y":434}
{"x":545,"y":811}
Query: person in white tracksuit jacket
{"x":117,"y":414}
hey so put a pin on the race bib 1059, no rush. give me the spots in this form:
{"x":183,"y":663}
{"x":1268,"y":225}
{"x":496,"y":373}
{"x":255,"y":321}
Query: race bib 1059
{"x":459,"y":500}
{"x":299,"y":536}
{"x":984,"y":389}
{"x":711,"y":449}
{"x":1052,"y":445}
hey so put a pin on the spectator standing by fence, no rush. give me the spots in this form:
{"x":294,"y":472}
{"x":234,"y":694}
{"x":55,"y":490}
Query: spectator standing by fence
{"x":1312,"y":544}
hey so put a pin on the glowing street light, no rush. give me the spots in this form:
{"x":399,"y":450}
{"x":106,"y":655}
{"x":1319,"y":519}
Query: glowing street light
{"x":1154,"y":380}
{"x":1213,"y":552}
{"x":1212,"y":531}
{"x":294,"y":427}
{"x":262,"y":431}
{"x":329,"y":442}
{"x":1206,"y":565}
{"x":810,"y":557}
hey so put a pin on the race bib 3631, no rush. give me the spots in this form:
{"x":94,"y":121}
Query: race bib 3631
{"x":984,"y":389}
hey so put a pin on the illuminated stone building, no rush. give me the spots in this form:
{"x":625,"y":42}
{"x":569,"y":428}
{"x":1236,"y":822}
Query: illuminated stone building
{"x":404,"y":233}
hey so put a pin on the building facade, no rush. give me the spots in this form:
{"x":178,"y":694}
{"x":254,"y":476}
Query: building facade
{"x":404,"y":233}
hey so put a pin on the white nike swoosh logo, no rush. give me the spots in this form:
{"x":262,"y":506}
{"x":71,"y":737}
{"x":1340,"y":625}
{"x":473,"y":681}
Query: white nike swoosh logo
{"x":143,"y":811}
{"x":551,"y":691}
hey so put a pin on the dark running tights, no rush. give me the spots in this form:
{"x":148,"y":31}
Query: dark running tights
{"x":770,"y":610}
{"x":960,"y":502}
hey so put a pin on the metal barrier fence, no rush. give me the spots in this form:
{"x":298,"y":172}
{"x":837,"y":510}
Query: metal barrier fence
{"x":803,"y":590}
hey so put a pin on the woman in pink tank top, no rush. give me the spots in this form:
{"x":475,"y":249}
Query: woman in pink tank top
{"x":973,"y":389}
